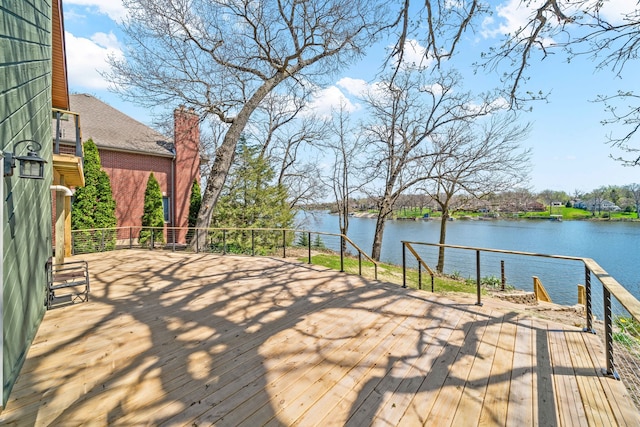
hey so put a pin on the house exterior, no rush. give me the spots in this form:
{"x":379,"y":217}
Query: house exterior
{"x":34,"y":76}
{"x":130,"y":151}
{"x":597,"y":205}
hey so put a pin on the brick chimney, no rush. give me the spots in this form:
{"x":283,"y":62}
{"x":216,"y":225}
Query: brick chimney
{"x":186,"y":138}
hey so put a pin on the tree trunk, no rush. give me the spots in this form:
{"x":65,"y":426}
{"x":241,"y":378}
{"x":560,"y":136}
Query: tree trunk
{"x":344,"y":224}
{"x":443,"y":238}
{"x":224,"y":159}
{"x":377,"y":238}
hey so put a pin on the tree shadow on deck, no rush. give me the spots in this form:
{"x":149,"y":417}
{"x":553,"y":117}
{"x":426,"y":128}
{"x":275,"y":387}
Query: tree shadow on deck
{"x":176,"y":339}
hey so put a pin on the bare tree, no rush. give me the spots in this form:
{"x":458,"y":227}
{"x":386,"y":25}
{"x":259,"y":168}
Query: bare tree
{"x":345,"y":147}
{"x":405,"y":114}
{"x":550,"y":196}
{"x":520,"y":199}
{"x":286,"y":132}
{"x":627,"y":114}
{"x":634,"y":192}
{"x":476,"y":161}
{"x":223,"y":57}
{"x":597,"y":197}
{"x":607,"y":32}
{"x":577,"y":27}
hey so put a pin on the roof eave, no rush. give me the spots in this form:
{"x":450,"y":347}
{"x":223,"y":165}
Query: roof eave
{"x":59,"y":80}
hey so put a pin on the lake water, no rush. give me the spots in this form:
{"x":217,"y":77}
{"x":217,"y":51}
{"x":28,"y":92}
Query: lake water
{"x":613,"y":245}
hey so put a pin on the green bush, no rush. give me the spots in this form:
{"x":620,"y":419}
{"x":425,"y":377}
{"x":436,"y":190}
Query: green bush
{"x":93,"y":206}
{"x":153,"y":216}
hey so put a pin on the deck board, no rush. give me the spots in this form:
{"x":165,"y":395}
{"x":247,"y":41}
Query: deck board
{"x":521,"y":391}
{"x":192,"y":339}
{"x":468,"y":412}
{"x":495,"y":405}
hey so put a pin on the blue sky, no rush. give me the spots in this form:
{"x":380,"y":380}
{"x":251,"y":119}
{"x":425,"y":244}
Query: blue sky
{"x":567,"y":138}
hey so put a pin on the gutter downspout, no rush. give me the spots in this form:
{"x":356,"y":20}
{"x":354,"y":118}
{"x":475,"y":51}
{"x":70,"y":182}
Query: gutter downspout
{"x":61,"y":204}
{"x":66,"y":190}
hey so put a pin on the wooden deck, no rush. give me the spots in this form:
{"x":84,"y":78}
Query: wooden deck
{"x":183,"y":339}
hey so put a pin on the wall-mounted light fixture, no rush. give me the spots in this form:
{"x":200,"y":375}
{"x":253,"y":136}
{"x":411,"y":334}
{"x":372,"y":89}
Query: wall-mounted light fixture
{"x":31,"y":165}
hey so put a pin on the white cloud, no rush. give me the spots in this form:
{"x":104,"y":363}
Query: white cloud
{"x":514,"y":15}
{"x":114,"y":9}
{"x":415,"y":55}
{"x":355,"y":87}
{"x":87,"y":58}
{"x":614,"y":11}
{"x":328,"y":100}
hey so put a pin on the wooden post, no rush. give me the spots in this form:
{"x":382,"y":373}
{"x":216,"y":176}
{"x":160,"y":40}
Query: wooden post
{"x":539,"y":291}
{"x":582,"y":295}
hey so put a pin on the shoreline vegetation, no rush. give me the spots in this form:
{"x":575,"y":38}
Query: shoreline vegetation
{"x":557,"y":214}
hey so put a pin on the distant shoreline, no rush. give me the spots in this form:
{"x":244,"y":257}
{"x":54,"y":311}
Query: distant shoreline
{"x":491,"y":218}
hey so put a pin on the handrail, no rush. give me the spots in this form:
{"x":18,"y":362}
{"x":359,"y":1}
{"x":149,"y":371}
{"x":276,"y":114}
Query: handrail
{"x":626,"y":299}
{"x":421,"y":263}
{"x":611,"y":287}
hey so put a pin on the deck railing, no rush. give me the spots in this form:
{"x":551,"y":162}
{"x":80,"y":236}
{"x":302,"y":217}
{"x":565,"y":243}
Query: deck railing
{"x":617,"y":308}
{"x":245,"y":241}
{"x":59,"y":116}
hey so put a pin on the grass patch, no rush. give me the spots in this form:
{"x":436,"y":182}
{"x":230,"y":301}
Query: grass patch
{"x":393,"y":274}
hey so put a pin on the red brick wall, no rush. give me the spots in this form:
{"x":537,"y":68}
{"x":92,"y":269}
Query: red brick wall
{"x":129,"y":174}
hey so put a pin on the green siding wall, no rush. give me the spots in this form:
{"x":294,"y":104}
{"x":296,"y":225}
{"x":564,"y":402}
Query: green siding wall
{"x":25,"y":113}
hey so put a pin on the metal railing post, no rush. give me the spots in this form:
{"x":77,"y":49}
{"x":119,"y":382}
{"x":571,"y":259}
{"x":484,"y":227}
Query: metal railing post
{"x":284,"y":243}
{"x":478,"y":278}
{"x":404,"y":266}
{"x":56,"y":147}
{"x":79,"y":152}
{"x":359,"y":263}
{"x":432,"y":282}
{"x":102,"y":240}
{"x":309,"y":245}
{"x":73,"y":243}
{"x":173,"y":238}
{"x":503,"y":279}
{"x":608,"y":334}
{"x":341,"y":253}
{"x":197,"y":240}
{"x":130,"y":237}
{"x":224,"y":242}
{"x":253,"y":242}
{"x":153,"y":235}
{"x":588,"y":302}
{"x":419,"y":275}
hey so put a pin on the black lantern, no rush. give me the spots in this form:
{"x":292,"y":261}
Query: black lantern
{"x":31,"y":165}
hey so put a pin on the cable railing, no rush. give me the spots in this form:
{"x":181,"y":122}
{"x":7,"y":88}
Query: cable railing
{"x":610,"y":310}
{"x":241,"y":241}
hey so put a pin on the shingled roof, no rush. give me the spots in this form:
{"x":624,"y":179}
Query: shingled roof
{"x":112,"y":129}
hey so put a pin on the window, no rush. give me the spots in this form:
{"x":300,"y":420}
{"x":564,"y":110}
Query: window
{"x":166,"y":208}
